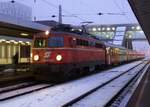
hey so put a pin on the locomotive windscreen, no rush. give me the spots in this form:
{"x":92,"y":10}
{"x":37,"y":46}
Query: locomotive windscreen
{"x":39,"y":43}
{"x":55,"y":42}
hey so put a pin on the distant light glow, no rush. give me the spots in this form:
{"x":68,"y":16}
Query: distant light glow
{"x":7,"y":41}
{"x":12,"y":41}
{"x":107,"y":36}
{"x":47,"y":32}
{"x":129,"y":36}
{"x":93,"y":29}
{"x":20,"y":41}
{"x":28,"y":43}
{"x":72,"y":29}
{"x":108,"y":28}
{"x":99,"y":29}
{"x":15,"y":42}
{"x":113,"y":28}
{"x":80,"y":30}
{"x":24,"y":34}
{"x":2,"y":40}
{"x":132,"y":27}
{"x":138,"y":28}
{"x":74,"y":38}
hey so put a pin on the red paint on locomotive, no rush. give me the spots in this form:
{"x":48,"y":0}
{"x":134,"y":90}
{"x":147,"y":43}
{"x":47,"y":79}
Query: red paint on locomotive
{"x":63,"y":51}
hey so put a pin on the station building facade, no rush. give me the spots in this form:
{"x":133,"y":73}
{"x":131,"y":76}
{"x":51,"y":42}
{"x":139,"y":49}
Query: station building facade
{"x":16,"y":32}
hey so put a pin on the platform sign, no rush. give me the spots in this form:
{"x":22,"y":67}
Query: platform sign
{"x":141,"y":9}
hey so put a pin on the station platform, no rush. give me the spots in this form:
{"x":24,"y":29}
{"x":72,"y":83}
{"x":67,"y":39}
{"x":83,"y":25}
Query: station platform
{"x":141,"y":96}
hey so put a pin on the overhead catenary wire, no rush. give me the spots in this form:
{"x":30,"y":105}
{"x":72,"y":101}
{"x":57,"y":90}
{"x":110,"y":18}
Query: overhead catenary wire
{"x":68,"y":14}
{"x":55,"y":6}
{"x":119,"y":7}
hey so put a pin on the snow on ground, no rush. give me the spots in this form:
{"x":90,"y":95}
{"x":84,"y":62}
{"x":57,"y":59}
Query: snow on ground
{"x":22,"y":90}
{"x":58,"y":95}
{"x":103,"y":95}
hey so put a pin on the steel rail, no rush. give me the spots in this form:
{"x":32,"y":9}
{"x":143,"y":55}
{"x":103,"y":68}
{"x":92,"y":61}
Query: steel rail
{"x":23,"y":91}
{"x":70,"y":103}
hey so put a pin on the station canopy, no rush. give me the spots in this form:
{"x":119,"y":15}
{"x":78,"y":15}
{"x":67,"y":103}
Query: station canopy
{"x":20,"y":28}
{"x":141,"y":9}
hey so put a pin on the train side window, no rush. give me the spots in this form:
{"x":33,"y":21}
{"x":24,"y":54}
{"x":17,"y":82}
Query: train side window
{"x":56,"y":41}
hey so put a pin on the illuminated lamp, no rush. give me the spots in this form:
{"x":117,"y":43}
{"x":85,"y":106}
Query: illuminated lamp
{"x":99,"y":29}
{"x":7,"y":41}
{"x":47,"y":32}
{"x":132,"y":27}
{"x":24,"y":34}
{"x":36,"y":57}
{"x":108,"y":29}
{"x":138,"y":28}
{"x":58,"y":57}
{"x":94,"y":29}
{"x":2,"y":40}
{"x":20,"y":41}
{"x":80,"y":30}
{"x":113,"y":28}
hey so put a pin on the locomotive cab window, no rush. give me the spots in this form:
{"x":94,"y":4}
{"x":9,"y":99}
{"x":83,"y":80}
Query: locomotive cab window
{"x":56,"y":41}
{"x":40,"y":43}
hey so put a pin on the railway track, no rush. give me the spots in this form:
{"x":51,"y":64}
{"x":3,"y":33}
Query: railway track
{"x":16,"y":86}
{"x":82,"y":99}
{"x":122,"y":98}
{"x":21,"y":89}
{"x":80,"y":92}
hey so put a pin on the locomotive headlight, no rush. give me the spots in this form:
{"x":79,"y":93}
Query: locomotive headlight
{"x":36,"y":57}
{"x":58,"y":57}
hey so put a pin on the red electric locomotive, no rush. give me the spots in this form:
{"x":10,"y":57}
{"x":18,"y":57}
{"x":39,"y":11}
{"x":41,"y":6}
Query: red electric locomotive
{"x":60,"y":54}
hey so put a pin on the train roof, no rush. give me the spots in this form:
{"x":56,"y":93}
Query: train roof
{"x":80,"y":35}
{"x":89,"y":36}
{"x":68,"y":29}
{"x":113,"y":45}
